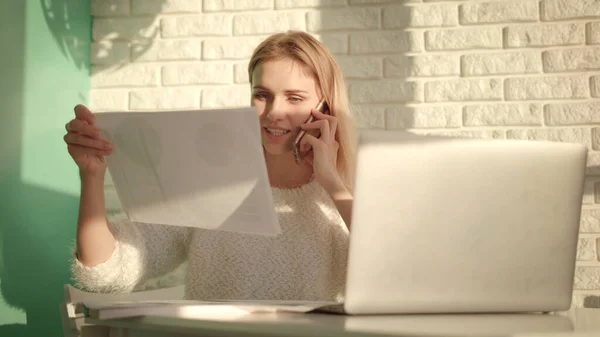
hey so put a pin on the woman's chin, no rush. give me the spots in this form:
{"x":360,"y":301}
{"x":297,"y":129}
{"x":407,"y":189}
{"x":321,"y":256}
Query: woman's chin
{"x":276,"y":150}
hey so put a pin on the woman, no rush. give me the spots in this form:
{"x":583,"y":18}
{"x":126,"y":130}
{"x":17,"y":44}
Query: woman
{"x":289,"y":74}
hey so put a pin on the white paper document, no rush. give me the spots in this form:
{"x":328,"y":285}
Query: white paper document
{"x":197,"y":309}
{"x":202,"y":168}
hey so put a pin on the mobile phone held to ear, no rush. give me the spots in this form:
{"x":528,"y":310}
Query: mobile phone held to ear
{"x":321,"y":107}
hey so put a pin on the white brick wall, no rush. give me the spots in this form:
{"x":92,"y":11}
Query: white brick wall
{"x":524,"y":69}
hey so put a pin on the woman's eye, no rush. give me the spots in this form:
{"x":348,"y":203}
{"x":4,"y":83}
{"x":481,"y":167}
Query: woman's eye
{"x":260,"y":95}
{"x":295,"y":99}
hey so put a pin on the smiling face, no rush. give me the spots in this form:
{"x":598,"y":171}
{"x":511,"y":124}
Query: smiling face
{"x":283,"y":92}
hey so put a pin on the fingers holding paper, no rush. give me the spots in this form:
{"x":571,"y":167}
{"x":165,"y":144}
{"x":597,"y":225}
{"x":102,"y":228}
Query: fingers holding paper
{"x":84,"y":143}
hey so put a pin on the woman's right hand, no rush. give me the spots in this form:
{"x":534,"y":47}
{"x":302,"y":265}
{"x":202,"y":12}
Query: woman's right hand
{"x":85,"y":144}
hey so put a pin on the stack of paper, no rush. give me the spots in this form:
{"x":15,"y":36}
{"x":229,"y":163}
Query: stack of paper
{"x":169,"y":303}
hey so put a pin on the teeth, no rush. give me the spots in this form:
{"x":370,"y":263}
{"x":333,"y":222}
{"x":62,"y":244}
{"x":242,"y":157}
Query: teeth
{"x":277,"y":132}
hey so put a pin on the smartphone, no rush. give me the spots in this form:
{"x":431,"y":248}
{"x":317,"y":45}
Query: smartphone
{"x":322,"y":107}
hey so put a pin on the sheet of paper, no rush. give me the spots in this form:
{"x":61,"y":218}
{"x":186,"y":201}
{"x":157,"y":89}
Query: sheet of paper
{"x":202,"y":168}
{"x":194,"y":309}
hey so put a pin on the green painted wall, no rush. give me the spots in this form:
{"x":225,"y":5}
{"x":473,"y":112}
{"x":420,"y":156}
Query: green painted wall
{"x":44,"y":72}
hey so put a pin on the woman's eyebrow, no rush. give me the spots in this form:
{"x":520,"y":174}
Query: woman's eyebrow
{"x":287,"y":90}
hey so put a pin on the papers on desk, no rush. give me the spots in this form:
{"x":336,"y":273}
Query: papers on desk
{"x":168,"y":302}
{"x":193,"y":309}
{"x":201,"y":168}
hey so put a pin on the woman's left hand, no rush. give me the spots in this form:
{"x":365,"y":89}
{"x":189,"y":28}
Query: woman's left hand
{"x":323,"y":152}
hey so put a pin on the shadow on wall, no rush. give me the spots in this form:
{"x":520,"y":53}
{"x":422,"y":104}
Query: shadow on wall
{"x":61,"y":18}
{"x":591,"y":302}
{"x":36,"y":222}
{"x":45,"y":72}
{"x":118,"y":41}
{"x":12,"y":33}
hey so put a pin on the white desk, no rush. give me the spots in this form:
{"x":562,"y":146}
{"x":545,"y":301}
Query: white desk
{"x":574,"y":323}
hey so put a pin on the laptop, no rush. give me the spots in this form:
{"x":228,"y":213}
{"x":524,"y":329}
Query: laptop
{"x":452,"y":225}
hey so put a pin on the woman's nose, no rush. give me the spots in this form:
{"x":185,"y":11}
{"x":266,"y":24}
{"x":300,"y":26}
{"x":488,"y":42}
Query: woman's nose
{"x":276,"y":109}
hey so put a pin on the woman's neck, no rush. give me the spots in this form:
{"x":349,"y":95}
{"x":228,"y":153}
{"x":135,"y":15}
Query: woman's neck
{"x":285,"y":173}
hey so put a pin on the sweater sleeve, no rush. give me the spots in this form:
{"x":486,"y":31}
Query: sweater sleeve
{"x":142,"y":251}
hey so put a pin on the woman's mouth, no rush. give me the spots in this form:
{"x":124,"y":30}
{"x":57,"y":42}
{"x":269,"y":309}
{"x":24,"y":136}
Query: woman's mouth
{"x":275,"y":134}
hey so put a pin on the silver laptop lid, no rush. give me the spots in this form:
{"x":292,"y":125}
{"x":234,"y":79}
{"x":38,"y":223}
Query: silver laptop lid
{"x":463,"y":225}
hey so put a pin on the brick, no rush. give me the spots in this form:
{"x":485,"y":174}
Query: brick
{"x":109,"y":52}
{"x":196,"y":25}
{"x":589,"y":194}
{"x":236,"y":5}
{"x":546,"y":87}
{"x":287,"y":4}
{"x":166,"y":50}
{"x":501,"y":63}
{"x":384,"y":91}
{"x":593,"y":163}
{"x":595,"y":86}
{"x":477,"y":134}
{"x":337,"y":43}
{"x":502,"y":114}
{"x":423,"y":66}
{"x":593,"y":32}
{"x":230,"y":48}
{"x":572,"y":113}
{"x":464,"y":39}
{"x":565,"y":135}
{"x":343,"y":19}
{"x":586,"y":249}
{"x":197,"y":73}
{"x":463,"y":90}
{"x":109,"y":7}
{"x":579,"y":300}
{"x":370,"y":117}
{"x":139,"y":28}
{"x":598,"y":257}
{"x":590,"y":220}
{"x":131,"y":75}
{"x":586,"y":299}
{"x":544,"y":35}
{"x":408,"y":117}
{"x":420,"y":16}
{"x":566,"y":9}
{"x":361,"y":67}
{"x":226,"y":96}
{"x":596,"y":138}
{"x":498,"y":12}
{"x":268,"y":23}
{"x":165,"y":6}
{"x":240,"y":73}
{"x":579,"y":59}
{"x":164,"y":99}
{"x":108,"y":100}
{"x":384,"y":42}
{"x":586,"y":278}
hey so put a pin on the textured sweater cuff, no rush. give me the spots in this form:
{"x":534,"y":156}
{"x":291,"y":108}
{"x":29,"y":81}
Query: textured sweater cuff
{"x":101,"y":277}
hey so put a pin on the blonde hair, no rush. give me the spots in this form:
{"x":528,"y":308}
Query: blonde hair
{"x":305,"y":49}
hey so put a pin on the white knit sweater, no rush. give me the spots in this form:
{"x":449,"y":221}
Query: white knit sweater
{"x":307,"y":261}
